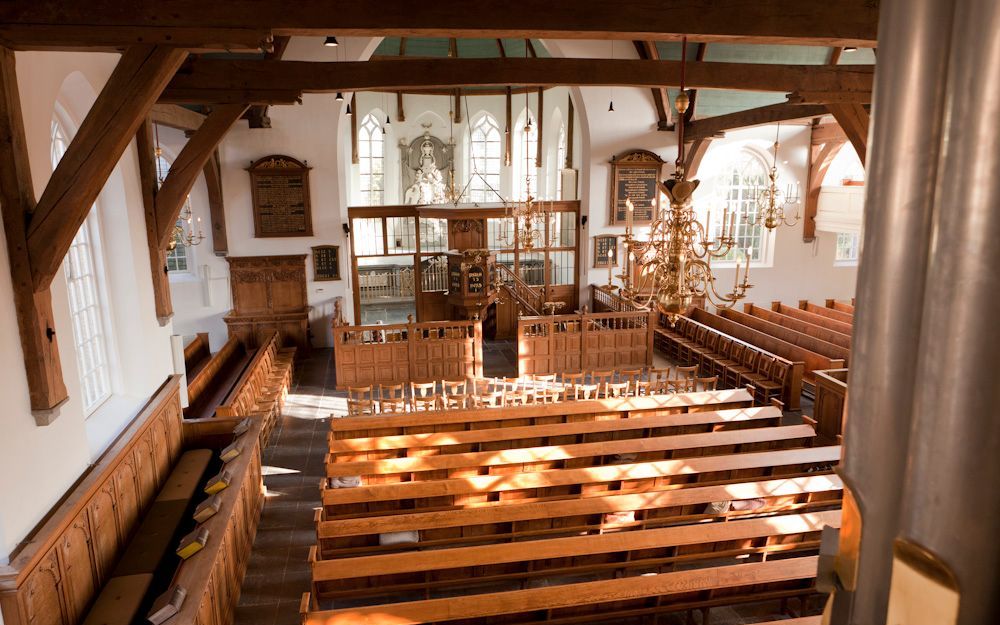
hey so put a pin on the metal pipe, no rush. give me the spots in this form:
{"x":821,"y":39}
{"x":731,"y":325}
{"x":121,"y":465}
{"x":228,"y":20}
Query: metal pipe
{"x":903,"y":154}
{"x":951,"y":501}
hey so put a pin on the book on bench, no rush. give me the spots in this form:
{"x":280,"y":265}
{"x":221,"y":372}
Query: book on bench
{"x":207,"y":508}
{"x":219,"y":482}
{"x":242,"y":427}
{"x":231,"y":452}
{"x":167,"y":605}
{"x":192,"y":543}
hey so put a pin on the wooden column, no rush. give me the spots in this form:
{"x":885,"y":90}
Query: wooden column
{"x":216,"y":206}
{"x":189,"y":164}
{"x":144,"y":144}
{"x":17,"y":201}
{"x":112,"y":122}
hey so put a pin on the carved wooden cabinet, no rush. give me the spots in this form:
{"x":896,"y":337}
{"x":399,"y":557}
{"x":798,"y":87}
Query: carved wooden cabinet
{"x":269,"y":294}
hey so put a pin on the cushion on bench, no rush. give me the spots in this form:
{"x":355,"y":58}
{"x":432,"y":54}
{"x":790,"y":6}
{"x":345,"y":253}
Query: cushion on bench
{"x":120,"y":600}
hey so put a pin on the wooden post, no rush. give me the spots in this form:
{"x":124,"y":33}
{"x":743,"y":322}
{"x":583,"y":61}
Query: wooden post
{"x":411,"y":349}
{"x":33,"y":308}
{"x":157,"y":253}
{"x":216,"y":206}
{"x":477,"y":346}
{"x":112,"y":122}
{"x":458,"y":106}
{"x":400,"y":113}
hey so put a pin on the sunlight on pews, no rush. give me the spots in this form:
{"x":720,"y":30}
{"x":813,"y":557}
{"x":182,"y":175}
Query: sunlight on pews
{"x":271,"y":470}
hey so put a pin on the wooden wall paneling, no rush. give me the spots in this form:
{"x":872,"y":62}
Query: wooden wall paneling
{"x":42,"y":600}
{"x":216,"y":204}
{"x":105,"y":533}
{"x":149,"y":182}
{"x":189,"y":164}
{"x":79,"y":575}
{"x":145,"y":468}
{"x":269,"y":294}
{"x":39,"y":344}
{"x":127,"y":494}
{"x":110,"y":125}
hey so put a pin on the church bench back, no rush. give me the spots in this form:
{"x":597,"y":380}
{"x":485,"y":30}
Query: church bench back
{"x":803,"y":340}
{"x":829,"y":313}
{"x":804,"y":327}
{"x":210,"y":375}
{"x":841,"y":306}
{"x":813,"y":318}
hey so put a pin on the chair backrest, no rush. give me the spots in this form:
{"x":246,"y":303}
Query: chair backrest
{"x":750,"y":357}
{"x":616,"y":389}
{"x":706,"y":384}
{"x":712,"y":341}
{"x":360,"y":407}
{"x":632,"y":376}
{"x":422,"y":389}
{"x":690,"y":330}
{"x":687,"y":372}
{"x":585,"y":391}
{"x":736,"y":354}
{"x":600,"y":378}
{"x":512,"y":384}
{"x":779,"y":370}
{"x":700,"y":334}
{"x":545,"y":379}
{"x":725,"y":346}
{"x":390,"y":391}
{"x":359,"y":392}
{"x":678,"y":385}
{"x":569,"y":379}
{"x":455,"y":387}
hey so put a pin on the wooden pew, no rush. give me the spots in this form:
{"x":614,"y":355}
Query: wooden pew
{"x":479,"y":568}
{"x":812,"y":360}
{"x":212,"y":383}
{"x":841,"y":306}
{"x":825,"y":334}
{"x":561,"y":483}
{"x":263,"y":386}
{"x":803,"y":340}
{"x":829,"y":313}
{"x":562,"y":412}
{"x":57,"y":571}
{"x":433,"y":443}
{"x":819,"y":320}
{"x":589,"y":601}
{"x":196,"y":354}
{"x":446,"y":466}
{"x":568,"y":517}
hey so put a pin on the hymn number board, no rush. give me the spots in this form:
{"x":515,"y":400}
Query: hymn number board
{"x":635,"y":174}
{"x":326,"y":263}
{"x":280,"y":189}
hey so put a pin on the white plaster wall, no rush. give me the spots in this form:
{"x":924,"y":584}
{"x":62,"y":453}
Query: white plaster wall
{"x":38,"y":464}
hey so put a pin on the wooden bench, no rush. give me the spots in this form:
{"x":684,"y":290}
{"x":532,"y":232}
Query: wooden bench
{"x":804,"y":327}
{"x":829,"y":313}
{"x":604,"y":600}
{"x":492,"y":439}
{"x":472,"y":569}
{"x":209,"y":386}
{"x":518,"y":416}
{"x":820,"y":320}
{"x":841,"y":306}
{"x":514,"y":461}
{"x":811,"y":360}
{"x":800,"y":339}
{"x":568,"y":517}
{"x":196,"y":354}
{"x":716,"y":351}
{"x":561,"y":483}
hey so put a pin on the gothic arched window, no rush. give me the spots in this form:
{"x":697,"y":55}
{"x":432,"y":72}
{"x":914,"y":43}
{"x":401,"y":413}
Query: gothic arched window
{"x":484,"y":160}
{"x":736,"y":186}
{"x":526,"y":151}
{"x":371,"y":158}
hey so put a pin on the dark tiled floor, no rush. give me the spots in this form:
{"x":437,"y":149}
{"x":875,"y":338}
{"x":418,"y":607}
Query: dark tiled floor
{"x":278,"y":573}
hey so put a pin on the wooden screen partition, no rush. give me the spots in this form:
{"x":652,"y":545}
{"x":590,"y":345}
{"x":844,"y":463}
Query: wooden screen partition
{"x":269,"y":295}
{"x":831,"y":401}
{"x":405,"y":352}
{"x":603,"y":299}
{"x":584,"y":342}
{"x":55,"y":574}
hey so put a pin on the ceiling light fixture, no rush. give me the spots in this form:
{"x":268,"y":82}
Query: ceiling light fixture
{"x":331,"y":42}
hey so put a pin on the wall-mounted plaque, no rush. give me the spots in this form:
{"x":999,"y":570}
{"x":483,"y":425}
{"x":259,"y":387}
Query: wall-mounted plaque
{"x":280,"y":190}
{"x":477,"y":279}
{"x":326,"y":263}
{"x":602,"y":245}
{"x":634,"y":175}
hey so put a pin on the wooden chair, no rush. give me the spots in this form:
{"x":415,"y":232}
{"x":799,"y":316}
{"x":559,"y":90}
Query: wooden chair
{"x":761,"y":372}
{"x":515,"y":393}
{"x":456,"y":393}
{"x":766,"y":389}
{"x":633,"y":377}
{"x":678,"y":385}
{"x":585,"y":391}
{"x":424,"y":396}
{"x":487,"y":393}
{"x":616,"y":389}
{"x":747,"y":364}
{"x":726,"y":347}
{"x":706,"y":384}
{"x":654,"y":382}
{"x":569,"y":382}
{"x":360,"y":400}
{"x":702,"y":354}
{"x":687,"y":372}
{"x":392,"y":398}
{"x":601,"y":379}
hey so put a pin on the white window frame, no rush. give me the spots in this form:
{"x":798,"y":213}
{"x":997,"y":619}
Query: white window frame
{"x":855,"y":246}
{"x":485,"y":131}
{"x":524,"y":155}
{"x":371,"y":168}
{"x":743,"y":204}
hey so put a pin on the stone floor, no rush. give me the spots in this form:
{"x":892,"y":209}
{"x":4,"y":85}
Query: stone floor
{"x":278,"y":572}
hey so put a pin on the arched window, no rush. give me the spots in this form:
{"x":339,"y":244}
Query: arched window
{"x":560,"y":160}
{"x":87,"y":298}
{"x":484,"y":160}
{"x":526,"y":152}
{"x":178,"y":259}
{"x":371,"y":144}
{"x":736,"y":188}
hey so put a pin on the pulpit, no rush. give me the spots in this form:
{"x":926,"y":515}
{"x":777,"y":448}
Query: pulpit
{"x":470,"y":283}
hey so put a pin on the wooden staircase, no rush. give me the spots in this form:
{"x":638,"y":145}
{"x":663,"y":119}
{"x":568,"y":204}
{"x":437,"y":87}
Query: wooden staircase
{"x":529,"y":298}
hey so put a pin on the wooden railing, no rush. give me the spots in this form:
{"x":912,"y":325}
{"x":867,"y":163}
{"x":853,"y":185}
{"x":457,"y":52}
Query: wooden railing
{"x":393,"y":284}
{"x":531,"y":299}
{"x":584,"y":341}
{"x":404,"y":352}
{"x":831,"y":402}
{"x":602,"y":299}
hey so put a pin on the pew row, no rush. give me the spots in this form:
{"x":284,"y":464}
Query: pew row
{"x":493,"y":439}
{"x":517,"y":416}
{"x":568,"y":517}
{"x":514,"y":461}
{"x":196,"y":354}
{"x":597,"y":601}
{"x":800,"y":339}
{"x":841,"y":306}
{"x":819,"y":320}
{"x":473,"y":569}
{"x":829,"y":313}
{"x":207,"y":388}
{"x":812,"y":361}
{"x":496,"y":490}
{"x":803,"y":327}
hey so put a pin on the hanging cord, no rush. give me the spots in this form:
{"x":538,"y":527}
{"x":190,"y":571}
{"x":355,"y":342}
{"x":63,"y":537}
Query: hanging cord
{"x":680,"y":97}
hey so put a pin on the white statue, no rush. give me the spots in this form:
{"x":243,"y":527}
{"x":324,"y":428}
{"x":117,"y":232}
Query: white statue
{"x":428,"y":183}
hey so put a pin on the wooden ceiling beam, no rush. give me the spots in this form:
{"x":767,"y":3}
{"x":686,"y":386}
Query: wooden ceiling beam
{"x":648,"y":51}
{"x":206,"y":80}
{"x":715,"y":126}
{"x":826,"y":141}
{"x":174,"y":116}
{"x":109,"y":127}
{"x":126,"y":22}
{"x":854,"y":119}
{"x":71,"y":37}
{"x":189,"y":164}
{"x":145,"y":145}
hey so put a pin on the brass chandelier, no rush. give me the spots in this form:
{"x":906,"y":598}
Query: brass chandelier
{"x":771,"y":200}
{"x":183,"y":232}
{"x":673,"y":266}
